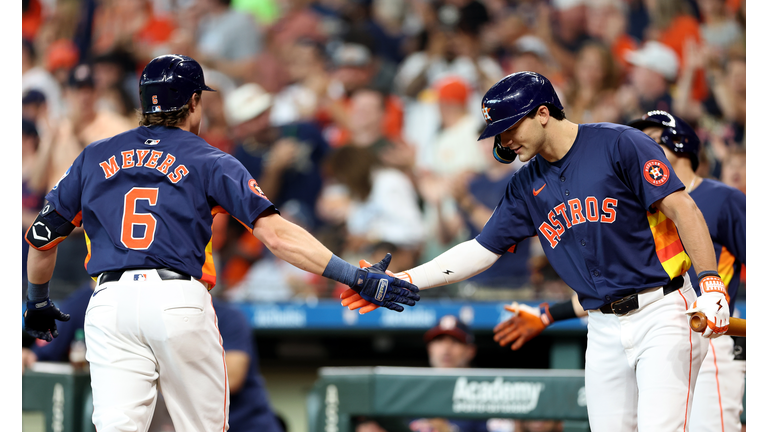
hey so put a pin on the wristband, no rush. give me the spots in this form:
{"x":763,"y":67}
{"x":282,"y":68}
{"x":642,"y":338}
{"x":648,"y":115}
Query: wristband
{"x":340,"y":270}
{"x":37,"y":292}
{"x":710,"y":281}
{"x":562,"y":311}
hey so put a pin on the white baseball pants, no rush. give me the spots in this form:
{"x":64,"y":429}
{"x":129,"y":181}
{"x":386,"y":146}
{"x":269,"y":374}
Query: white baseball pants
{"x":717,"y":403}
{"x":641,"y":367}
{"x":144,"y":334}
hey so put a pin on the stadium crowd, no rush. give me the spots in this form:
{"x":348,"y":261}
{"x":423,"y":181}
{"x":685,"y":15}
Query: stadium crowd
{"x":336,"y":106}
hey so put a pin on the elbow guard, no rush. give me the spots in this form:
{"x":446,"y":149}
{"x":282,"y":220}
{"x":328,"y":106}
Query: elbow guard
{"x":49,"y":229}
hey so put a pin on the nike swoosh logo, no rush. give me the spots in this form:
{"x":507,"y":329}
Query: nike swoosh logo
{"x":537,"y":191}
{"x":96,"y":292}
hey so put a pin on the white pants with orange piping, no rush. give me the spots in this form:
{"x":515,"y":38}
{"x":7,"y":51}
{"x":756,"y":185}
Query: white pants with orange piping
{"x":717,"y":403}
{"x":641,"y":367}
{"x":144,"y":334}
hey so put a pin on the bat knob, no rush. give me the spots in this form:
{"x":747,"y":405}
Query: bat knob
{"x":698,"y":322}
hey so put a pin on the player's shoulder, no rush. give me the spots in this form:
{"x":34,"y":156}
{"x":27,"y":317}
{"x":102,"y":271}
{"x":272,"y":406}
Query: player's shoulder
{"x":610,"y":132}
{"x":717,"y":188}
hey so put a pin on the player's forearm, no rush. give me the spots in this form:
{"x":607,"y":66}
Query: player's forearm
{"x":292,"y":243}
{"x":40,"y":265}
{"x":692,"y":229}
{"x":454,"y":265}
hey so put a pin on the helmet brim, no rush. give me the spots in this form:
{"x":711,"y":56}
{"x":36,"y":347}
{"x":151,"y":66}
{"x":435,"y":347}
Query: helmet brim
{"x":499,"y":126}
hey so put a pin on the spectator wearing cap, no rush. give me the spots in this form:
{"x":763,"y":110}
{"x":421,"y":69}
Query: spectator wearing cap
{"x":33,"y":105}
{"x":653,"y":69}
{"x":35,"y":76}
{"x":450,"y":344}
{"x":354,"y":69}
{"x":285,"y":161}
{"x":61,"y":56}
{"x":84,"y":123}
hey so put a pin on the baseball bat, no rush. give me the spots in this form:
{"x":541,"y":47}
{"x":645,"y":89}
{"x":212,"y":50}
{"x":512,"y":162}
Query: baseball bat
{"x":736,"y":326}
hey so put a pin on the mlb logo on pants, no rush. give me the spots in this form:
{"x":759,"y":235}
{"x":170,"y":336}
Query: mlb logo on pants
{"x":140,"y":277}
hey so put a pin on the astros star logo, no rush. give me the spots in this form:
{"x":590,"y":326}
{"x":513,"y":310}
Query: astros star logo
{"x":486,"y":115}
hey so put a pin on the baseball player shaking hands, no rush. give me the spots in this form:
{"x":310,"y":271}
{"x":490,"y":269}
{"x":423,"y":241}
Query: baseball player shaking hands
{"x":613,"y":219}
{"x":146,"y":199}
{"x":717,"y":402}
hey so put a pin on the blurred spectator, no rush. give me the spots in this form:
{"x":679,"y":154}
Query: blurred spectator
{"x":590,"y":97}
{"x":719,"y":28}
{"x":306,"y":68}
{"x":607,"y":22}
{"x":34,"y":76}
{"x":132,"y":26}
{"x":654,"y":69}
{"x":562,"y":26}
{"x":734,"y":171}
{"x":61,"y":56}
{"x":354,"y":69}
{"x":539,"y":426}
{"x":285,"y":160}
{"x":225,"y":33}
{"x":215,"y":129}
{"x":85,"y":122}
{"x":31,"y":18}
{"x":115,"y":82}
{"x":673,"y":24}
{"x":364,"y":186}
{"x":34,"y":106}
{"x":447,"y":51}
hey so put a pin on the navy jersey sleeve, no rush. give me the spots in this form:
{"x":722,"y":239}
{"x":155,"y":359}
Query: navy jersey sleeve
{"x":232,"y":187}
{"x":65,"y":195}
{"x":642,"y":165}
{"x":732,"y":222}
{"x":509,"y":224}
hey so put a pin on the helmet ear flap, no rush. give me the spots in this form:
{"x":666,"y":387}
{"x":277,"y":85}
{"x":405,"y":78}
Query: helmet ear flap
{"x":501,"y":153}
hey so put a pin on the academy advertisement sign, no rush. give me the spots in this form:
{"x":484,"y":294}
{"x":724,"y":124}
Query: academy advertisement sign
{"x":496,"y":396}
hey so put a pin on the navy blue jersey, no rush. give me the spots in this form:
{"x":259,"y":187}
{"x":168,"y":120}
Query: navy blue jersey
{"x":146,"y":199}
{"x":593,"y":212}
{"x":725,"y":211}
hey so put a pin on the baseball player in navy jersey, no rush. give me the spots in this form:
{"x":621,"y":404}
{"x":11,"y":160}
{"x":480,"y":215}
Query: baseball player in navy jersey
{"x":146,"y":200}
{"x":717,"y":402}
{"x":613,"y":218}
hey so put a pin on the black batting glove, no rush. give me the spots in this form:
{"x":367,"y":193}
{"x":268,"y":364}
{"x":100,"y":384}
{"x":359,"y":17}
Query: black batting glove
{"x":376,"y":286}
{"x":40,"y":319}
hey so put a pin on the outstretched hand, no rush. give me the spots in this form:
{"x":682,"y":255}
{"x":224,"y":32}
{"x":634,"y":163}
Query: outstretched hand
{"x":526,"y":323}
{"x":40,"y":319}
{"x":402,"y":291}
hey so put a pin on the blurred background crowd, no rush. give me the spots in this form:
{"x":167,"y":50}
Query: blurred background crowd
{"x":338,"y":107}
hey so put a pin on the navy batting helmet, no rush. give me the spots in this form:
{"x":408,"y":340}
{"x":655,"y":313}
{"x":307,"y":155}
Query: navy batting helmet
{"x":168,"y":81}
{"x":676,"y":134}
{"x":511,"y":99}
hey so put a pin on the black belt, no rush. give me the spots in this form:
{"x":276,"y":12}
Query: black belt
{"x":165,"y":274}
{"x":630,"y":303}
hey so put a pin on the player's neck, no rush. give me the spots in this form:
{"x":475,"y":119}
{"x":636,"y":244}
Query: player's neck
{"x":560,"y":139}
